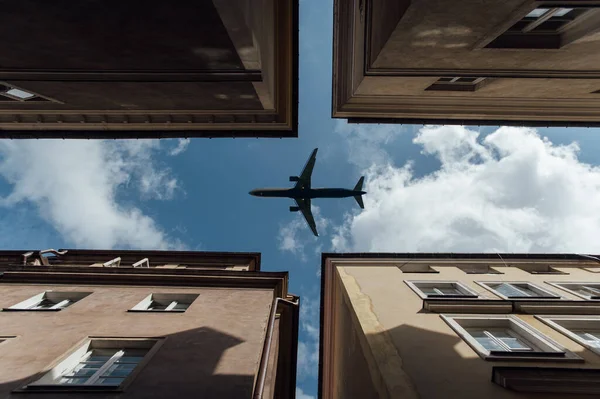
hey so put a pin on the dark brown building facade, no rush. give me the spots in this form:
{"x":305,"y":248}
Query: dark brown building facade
{"x":138,"y":69}
{"x":522,"y":62}
{"x":145,"y":324}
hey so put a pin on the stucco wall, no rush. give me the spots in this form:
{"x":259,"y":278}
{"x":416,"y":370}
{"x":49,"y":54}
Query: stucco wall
{"x":438,"y":362}
{"x":211,"y":350}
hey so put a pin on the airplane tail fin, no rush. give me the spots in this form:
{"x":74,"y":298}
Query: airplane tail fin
{"x":358,"y":187}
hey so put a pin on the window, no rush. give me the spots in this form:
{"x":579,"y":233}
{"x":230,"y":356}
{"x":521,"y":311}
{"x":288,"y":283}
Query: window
{"x":548,"y":26}
{"x":441,"y":289}
{"x":99,"y":363}
{"x":582,"y":290}
{"x":504,"y":337}
{"x":417,"y":268}
{"x":478,"y":269}
{"x":539,"y":269}
{"x":5,"y":338}
{"x":584,"y":330}
{"x":517,"y":290}
{"x":50,"y":300}
{"x":165,"y":303}
{"x":457,"y":84}
{"x":12,"y":93}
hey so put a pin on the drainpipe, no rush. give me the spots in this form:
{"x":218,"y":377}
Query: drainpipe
{"x":266,"y":352}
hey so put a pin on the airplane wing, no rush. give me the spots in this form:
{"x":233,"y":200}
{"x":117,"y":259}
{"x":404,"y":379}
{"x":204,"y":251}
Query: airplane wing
{"x":305,"y":176}
{"x":304,"y":205}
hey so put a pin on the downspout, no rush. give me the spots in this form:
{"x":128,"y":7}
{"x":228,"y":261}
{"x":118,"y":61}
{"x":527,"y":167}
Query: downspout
{"x":266,"y":352}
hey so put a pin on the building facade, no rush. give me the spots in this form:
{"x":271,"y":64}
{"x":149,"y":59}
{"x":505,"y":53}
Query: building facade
{"x":522,"y":62}
{"x":148,"y":69}
{"x":459,"y":326}
{"x":145,"y":324}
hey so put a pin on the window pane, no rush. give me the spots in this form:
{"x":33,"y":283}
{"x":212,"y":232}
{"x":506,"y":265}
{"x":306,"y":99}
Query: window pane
{"x":466,"y":80}
{"x":538,"y":12}
{"x":43,"y":304}
{"x":120,"y":370}
{"x":181,"y":306}
{"x":157,"y":306}
{"x":508,"y":290}
{"x":110,"y":381}
{"x":70,"y":381}
{"x":84,"y":370}
{"x":591,"y":337}
{"x":562,"y":12}
{"x":485,"y":341}
{"x":22,"y":94}
{"x":588,"y":290}
{"x":510,"y":340}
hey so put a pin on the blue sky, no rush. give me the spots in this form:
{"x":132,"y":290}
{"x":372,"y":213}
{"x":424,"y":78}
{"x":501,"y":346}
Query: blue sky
{"x":437,"y":188}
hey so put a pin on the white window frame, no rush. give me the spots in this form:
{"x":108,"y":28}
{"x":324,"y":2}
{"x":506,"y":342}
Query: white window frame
{"x":49,"y":381}
{"x":61,"y":300}
{"x":172,"y":299}
{"x":416,"y":287}
{"x":531,"y":286}
{"x":565,"y":325}
{"x":548,"y":349}
{"x":564,"y":285}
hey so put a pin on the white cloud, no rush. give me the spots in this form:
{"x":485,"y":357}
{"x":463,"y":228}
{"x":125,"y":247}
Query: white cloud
{"x":295,"y":235}
{"x":511,"y":191}
{"x":301,"y":395}
{"x":366,"y":143}
{"x":182,"y":145}
{"x":73,"y":184}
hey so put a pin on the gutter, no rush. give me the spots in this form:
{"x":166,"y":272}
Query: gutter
{"x":266,"y":352}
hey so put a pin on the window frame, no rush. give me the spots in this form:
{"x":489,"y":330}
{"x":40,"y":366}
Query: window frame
{"x":550,"y":350}
{"x":489,"y":271}
{"x":455,"y":85}
{"x":553,"y":321}
{"x":559,"y":285}
{"x":468,"y":292}
{"x":64,"y":298}
{"x":5,"y":97}
{"x":531,"y":286}
{"x":172,"y":298}
{"x":72,"y":358}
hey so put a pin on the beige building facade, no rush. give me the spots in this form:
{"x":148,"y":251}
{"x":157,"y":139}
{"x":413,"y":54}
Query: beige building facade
{"x":148,"y":69}
{"x":145,"y":324}
{"x":524,"y":62}
{"x":460,"y":326}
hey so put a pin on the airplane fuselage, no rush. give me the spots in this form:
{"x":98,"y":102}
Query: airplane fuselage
{"x":306,"y":193}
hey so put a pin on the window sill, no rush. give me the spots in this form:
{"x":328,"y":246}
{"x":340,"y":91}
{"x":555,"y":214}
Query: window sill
{"x":154,"y":311}
{"x":64,"y":389}
{"x":30,"y":310}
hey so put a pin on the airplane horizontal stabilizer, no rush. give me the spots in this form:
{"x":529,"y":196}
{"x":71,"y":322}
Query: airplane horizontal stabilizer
{"x":358,"y":199}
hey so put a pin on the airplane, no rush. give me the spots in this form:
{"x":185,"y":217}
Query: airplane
{"x":302,"y":192}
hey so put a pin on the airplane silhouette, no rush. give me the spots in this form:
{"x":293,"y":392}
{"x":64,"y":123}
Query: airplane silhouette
{"x":302,"y":192}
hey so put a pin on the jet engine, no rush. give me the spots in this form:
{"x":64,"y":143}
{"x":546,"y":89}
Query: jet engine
{"x":294,"y":178}
{"x":294,"y":209}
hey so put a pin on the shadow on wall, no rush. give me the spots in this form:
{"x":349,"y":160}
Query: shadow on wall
{"x":438,"y":370}
{"x":184,"y":367}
